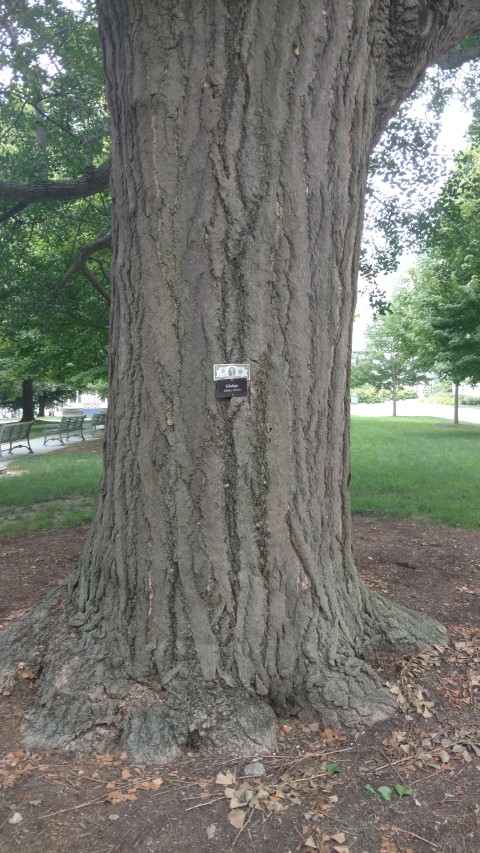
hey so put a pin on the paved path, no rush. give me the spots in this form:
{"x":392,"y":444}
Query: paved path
{"x":38,"y":446}
{"x":405,"y":408}
{"x":417,"y":409}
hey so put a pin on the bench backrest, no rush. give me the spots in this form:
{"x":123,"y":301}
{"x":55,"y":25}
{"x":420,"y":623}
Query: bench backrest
{"x":72,"y":420}
{"x":99,"y":418}
{"x":11,"y":431}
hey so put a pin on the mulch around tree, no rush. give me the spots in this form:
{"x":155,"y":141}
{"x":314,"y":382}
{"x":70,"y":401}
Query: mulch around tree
{"x":411,"y":783}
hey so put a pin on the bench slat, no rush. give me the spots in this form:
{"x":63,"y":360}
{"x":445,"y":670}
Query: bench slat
{"x":15,"y":432}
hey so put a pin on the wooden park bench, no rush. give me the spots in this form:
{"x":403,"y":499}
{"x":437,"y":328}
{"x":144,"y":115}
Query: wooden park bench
{"x":98,"y":422}
{"x":64,"y":429}
{"x":15,"y":432}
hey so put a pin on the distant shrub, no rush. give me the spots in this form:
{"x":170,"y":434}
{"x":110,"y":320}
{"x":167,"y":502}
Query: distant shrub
{"x":470,"y":401}
{"x":440,"y":397}
{"x":368,"y":394}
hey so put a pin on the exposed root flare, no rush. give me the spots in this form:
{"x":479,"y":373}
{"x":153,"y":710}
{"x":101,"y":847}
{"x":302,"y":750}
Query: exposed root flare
{"x":389,"y":623}
{"x":86,"y":701}
{"x":155,"y":726}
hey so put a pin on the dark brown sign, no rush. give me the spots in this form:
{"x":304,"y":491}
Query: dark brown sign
{"x":225,"y":388}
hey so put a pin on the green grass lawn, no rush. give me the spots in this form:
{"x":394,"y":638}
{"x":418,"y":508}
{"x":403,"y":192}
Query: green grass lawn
{"x":421,"y":468}
{"x":58,"y":489}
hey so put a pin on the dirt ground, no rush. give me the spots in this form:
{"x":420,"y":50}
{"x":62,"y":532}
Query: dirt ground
{"x":409,"y":784}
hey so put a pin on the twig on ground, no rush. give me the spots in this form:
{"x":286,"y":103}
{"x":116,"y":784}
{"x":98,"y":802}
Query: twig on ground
{"x":208,"y":803}
{"x":323,"y":754}
{"x":391,"y":763}
{"x":73,"y":808}
{"x":314,"y":755}
{"x":420,"y":837}
{"x":243,"y":827}
{"x":429,"y":775}
{"x":380,"y":750}
{"x":4,"y":822}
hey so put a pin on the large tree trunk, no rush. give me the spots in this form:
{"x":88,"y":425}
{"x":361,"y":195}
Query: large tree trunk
{"x":28,"y":411}
{"x":218,"y":581}
{"x":456,"y":419}
{"x":41,"y":404}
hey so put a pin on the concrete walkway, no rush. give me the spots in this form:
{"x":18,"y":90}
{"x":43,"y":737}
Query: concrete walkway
{"x":38,"y":446}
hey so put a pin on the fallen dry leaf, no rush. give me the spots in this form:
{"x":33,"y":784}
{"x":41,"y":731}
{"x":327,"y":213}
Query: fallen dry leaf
{"x":7,"y":684}
{"x":237,"y":818}
{"x":130,"y":796}
{"x":114,"y":797}
{"x":227,"y":778}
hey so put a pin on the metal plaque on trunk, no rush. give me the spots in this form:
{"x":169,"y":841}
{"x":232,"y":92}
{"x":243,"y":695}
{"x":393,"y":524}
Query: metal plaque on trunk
{"x":231,"y":371}
{"x":231,"y":388}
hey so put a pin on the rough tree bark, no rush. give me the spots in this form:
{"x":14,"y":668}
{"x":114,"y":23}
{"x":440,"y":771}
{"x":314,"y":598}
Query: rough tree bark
{"x":28,"y":409}
{"x":41,"y":404}
{"x":217,"y":584}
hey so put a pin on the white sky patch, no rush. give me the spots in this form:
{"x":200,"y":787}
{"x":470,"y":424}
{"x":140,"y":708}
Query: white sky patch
{"x":74,"y":5}
{"x":5,"y":76}
{"x":456,"y":121}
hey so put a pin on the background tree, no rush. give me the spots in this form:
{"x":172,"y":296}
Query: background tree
{"x":442,"y":301}
{"x":50,"y":313}
{"x":218,"y":584}
{"x":444,"y":321}
{"x":387,"y":363}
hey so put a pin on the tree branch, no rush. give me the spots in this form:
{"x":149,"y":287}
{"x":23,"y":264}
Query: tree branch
{"x":12,"y":211}
{"x":92,"y":278}
{"x":459,"y":55}
{"x":419,"y":34}
{"x":86,"y":185}
{"x":80,"y":265}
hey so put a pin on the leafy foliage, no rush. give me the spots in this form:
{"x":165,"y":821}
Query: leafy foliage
{"x":54,"y":125}
{"x":408,"y":167}
{"x":441,"y":301}
{"x":52,"y":104}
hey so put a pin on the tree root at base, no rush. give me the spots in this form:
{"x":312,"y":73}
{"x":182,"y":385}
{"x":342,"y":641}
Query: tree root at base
{"x":86,"y":701}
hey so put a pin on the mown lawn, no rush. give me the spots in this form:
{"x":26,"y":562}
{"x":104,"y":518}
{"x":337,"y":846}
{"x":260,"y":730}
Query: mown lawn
{"x":421,"y":468}
{"x":416,"y":467}
{"x":57,"y":489}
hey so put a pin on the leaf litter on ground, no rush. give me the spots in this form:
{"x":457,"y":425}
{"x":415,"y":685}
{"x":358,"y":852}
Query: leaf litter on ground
{"x":315,"y":782}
